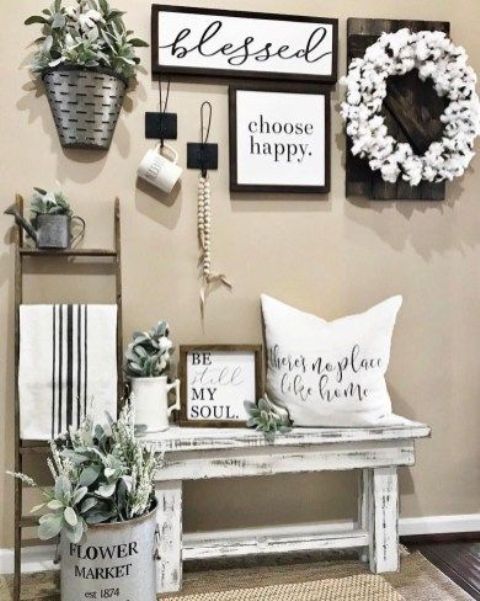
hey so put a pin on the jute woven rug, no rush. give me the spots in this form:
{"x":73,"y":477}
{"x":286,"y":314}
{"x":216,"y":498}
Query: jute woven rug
{"x":365,"y":587}
{"x":306,"y":579}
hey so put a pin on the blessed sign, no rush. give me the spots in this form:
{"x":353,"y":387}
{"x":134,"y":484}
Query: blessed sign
{"x":202,"y":41}
{"x":279,"y":140}
{"x":216,"y":381}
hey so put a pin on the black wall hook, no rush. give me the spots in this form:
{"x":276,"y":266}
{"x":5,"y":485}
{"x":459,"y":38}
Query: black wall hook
{"x":203,"y":155}
{"x":161,"y":126}
{"x":205,"y":134}
{"x":163,"y":107}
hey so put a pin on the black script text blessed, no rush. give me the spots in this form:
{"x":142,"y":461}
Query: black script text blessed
{"x":208,"y":45}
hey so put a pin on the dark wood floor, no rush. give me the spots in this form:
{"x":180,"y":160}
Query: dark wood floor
{"x":460,"y":561}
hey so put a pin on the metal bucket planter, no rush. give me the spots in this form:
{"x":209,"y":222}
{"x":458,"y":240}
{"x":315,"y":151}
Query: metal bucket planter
{"x":85,"y":105}
{"x":114,"y":561}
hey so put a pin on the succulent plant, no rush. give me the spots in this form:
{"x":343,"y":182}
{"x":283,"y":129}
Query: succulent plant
{"x":148,"y":355}
{"x":87,"y":33}
{"x":49,"y":203}
{"x":101,"y":474}
{"x":267,"y":417}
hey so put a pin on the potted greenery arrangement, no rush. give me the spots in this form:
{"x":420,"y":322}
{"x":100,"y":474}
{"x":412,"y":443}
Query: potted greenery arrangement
{"x":51,"y":221}
{"x":86,"y":59}
{"x":147,"y":362}
{"x":103,"y":507}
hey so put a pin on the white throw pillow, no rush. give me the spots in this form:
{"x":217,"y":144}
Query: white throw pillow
{"x":330,"y":373}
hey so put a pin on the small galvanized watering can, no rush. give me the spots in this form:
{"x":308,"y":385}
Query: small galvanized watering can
{"x":52,"y":231}
{"x":112,"y":561}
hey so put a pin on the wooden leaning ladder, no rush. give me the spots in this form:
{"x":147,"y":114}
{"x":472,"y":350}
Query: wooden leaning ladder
{"x":24,"y":447}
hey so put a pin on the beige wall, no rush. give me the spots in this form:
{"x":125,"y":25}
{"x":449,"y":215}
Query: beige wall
{"x":327,"y":254}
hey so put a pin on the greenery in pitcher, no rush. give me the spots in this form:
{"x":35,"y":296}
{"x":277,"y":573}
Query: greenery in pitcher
{"x":101,"y":474}
{"x":87,"y":33}
{"x":49,"y":203}
{"x":267,"y":417}
{"x":148,"y":354}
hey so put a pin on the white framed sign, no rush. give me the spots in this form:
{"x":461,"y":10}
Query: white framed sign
{"x":225,"y":43}
{"x":279,"y":139}
{"x":216,"y":380}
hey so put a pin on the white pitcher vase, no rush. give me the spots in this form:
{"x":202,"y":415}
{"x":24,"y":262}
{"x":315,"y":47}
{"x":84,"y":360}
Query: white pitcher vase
{"x":151,"y":402}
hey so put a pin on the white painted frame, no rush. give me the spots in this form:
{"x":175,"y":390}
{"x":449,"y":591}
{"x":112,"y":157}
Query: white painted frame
{"x":199,"y":453}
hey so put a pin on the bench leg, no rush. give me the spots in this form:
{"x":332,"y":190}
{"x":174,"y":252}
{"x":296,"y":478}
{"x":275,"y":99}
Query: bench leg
{"x":169,"y":521}
{"x":364,"y":508}
{"x":383,"y":502}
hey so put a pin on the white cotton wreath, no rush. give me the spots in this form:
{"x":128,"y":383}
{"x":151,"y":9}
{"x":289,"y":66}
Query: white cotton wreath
{"x":435,"y":56}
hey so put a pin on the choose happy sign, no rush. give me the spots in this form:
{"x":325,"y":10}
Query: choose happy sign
{"x":279,"y":141}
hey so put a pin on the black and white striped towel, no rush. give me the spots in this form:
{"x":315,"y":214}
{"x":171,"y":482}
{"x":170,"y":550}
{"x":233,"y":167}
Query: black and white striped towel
{"x":67,"y":366}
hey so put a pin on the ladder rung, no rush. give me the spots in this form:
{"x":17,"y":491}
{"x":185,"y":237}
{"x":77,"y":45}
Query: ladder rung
{"x":69,"y":252}
{"x":29,"y":521}
{"x":34,"y":443}
{"x":36,"y":542}
{"x":32,"y":447}
{"x":35,"y":451}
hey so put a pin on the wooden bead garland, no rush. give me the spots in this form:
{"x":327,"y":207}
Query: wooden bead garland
{"x":204,"y":238}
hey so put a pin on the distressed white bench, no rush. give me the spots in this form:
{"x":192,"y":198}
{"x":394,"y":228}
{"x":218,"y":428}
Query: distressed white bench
{"x":199,"y":453}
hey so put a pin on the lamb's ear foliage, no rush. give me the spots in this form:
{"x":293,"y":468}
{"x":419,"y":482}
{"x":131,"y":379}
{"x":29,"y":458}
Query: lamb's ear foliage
{"x":148,"y":355}
{"x":101,"y":474}
{"x":49,"y":203}
{"x":267,"y":417}
{"x":86,"y":34}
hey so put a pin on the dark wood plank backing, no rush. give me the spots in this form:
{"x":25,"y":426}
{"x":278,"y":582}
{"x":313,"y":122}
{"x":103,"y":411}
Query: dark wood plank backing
{"x":411,"y":112}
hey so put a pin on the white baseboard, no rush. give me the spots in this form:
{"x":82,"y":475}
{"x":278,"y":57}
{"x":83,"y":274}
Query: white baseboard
{"x":440,"y":524}
{"x":38,"y":559}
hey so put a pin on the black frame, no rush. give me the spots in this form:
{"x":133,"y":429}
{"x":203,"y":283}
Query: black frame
{"x":305,"y":89}
{"x":238,"y":73}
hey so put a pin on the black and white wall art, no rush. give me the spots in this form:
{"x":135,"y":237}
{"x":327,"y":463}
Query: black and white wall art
{"x":279,"y":139}
{"x":218,"y":43}
{"x":216,"y":381}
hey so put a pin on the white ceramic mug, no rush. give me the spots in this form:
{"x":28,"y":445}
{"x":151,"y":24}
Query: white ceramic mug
{"x":151,"y":402}
{"x":159,"y":170}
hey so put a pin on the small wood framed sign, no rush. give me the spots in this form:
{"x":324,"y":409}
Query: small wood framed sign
{"x":215,"y":382}
{"x":224,"y":43}
{"x":279,"y":139}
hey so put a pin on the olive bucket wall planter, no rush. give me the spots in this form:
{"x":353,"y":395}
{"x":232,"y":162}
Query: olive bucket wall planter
{"x":85,"y":105}
{"x":113,"y":560}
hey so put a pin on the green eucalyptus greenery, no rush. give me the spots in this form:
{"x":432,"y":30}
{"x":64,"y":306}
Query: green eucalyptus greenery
{"x":49,"y":203}
{"x":87,"y":33}
{"x":267,"y":417}
{"x":101,"y":474}
{"x":148,"y":355}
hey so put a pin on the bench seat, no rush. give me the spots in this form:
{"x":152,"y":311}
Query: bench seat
{"x":200,"y":453}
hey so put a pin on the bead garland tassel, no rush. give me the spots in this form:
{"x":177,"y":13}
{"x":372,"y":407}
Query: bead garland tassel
{"x":204,"y":238}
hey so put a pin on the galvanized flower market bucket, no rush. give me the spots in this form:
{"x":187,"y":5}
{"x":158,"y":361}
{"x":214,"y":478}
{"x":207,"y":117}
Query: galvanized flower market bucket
{"x":114,"y":561}
{"x":85,"y":105}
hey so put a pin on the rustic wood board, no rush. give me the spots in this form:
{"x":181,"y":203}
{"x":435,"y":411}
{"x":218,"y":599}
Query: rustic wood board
{"x":411,"y":109}
{"x":177,"y":439}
